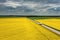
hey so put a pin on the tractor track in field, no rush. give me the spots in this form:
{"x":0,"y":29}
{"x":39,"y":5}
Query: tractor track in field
{"x":41,"y":33}
{"x":57,"y":32}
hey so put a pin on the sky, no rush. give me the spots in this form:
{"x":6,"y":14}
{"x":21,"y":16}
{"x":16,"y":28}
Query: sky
{"x":29,"y":7}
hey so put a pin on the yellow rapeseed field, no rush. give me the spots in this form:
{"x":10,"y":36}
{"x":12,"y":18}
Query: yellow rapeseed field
{"x":55,"y":23}
{"x":24,"y":29}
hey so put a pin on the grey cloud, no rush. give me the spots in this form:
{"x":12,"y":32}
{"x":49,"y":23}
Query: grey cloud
{"x":55,"y":9}
{"x":1,"y":1}
{"x":38,"y":1}
{"x":36,"y":6}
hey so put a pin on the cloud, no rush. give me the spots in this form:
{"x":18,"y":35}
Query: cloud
{"x":49,"y":6}
{"x":10,"y":3}
{"x":1,"y":1}
{"x":30,"y":5}
{"x":16,"y":4}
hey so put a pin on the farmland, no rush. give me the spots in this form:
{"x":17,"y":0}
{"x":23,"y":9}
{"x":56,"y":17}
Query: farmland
{"x":22,"y":28}
{"x":54,"y":23}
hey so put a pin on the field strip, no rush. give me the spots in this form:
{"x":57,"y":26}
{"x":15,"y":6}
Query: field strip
{"x":47,"y":27}
{"x":53,"y":23}
{"x":23,"y":28}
